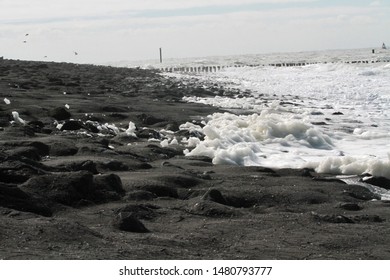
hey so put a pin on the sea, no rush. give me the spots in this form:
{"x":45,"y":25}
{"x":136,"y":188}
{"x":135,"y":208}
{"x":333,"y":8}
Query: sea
{"x":325,"y":110}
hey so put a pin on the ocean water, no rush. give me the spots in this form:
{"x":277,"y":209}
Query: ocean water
{"x":332,"y":116}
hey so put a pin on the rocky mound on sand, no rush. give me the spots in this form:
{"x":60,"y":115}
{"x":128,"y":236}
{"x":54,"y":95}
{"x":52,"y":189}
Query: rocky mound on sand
{"x":92,"y":167}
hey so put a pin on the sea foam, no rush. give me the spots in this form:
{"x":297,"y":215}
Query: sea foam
{"x":259,"y":139}
{"x":332,"y":117}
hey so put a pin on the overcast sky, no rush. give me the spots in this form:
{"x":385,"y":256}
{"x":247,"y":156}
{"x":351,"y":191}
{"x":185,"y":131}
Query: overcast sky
{"x":112,"y":30}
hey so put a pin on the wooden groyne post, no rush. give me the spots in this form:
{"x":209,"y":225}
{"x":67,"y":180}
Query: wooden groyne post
{"x":209,"y":69}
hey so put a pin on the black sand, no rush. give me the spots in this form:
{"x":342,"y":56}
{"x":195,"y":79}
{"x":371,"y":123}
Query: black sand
{"x":75,"y":194}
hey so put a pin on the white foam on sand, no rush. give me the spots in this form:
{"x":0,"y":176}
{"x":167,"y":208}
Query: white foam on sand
{"x":130,"y":131}
{"x":17,"y":119}
{"x":266,"y":139}
{"x":331,"y":117}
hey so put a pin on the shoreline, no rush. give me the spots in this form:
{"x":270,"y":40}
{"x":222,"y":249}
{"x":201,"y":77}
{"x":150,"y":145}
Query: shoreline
{"x":90,"y":189}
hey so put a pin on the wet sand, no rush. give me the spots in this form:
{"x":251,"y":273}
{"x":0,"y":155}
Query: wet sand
{"x":80,"y":191}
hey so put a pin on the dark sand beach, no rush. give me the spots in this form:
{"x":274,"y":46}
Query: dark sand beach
{"x":80,"y":191}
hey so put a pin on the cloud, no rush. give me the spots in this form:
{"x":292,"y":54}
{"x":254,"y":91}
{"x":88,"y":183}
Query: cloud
{"x":375,"y":3}
{"x":22,"y":11}
{"x":115,"y":30}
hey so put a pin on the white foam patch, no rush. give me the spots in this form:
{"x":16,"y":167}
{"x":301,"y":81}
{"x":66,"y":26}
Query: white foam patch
{"x":245,"y":103}
{"x":164,"y":143}
{"x":111,"y":127}
{"x":17,"y":119}
{"x":190,"y":127}
{"x":265,"y":139}
{"x":130,"y":131}
{"x":355,"y":165}
{"x":277,"y":141}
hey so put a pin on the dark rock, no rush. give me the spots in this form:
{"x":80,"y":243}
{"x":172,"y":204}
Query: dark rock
{"x":167,"y":152}
{"x":56,"y":81}
{"x":149,"y":119}
{"x":335,"y":219}
{"x":72,"y":84}
{"x":140,"y":195}
{"x":161,"y":190}
{"x":41,"y":148}
{"x":328,"y":179}
{"x":87,"y":165}
{"x":149,"y":133}
{"x":84,"y":203}
{"x":341,"y":219}
{"x":118,"y":116}
{"x":128,"y":222}
{"x":111,"y":183}
{"x":64,"y":188}
{"x":114,"y":109}
{"x":63,"y":148}
{"x":60,"y":114}
{"x":28,"y":152}
{"x":114,"y":165}
{"x":72,"y":125}
{"x":202,"y":158}
{"x":29,"y":85}
{"x":368,"y":219}
{"x":378,"y":181}
{"x":143,"y":165}
{"x":91,"y":127}
{"x":360,"y":192}
{"x":5,"y":119}
{"x":17,"y":171}
{"x":318,"y":123}
{"x":242,"y":200}
{"x":287,"y":172}
{"x":108,"y":188}
{"x":181,"y":181}
{"x":309,"y":197}
{"x":212,"y":209}
{"x":140,"y":211}
{"x":306,"y":172}
{"x":351,"y":206}
{"x":36,"y":125}
{"x":14,"y":198}
{"x":214,"y":195}
{"x":168,"y":164}
{"x":28,"y":131}
{"x":172,"y":126}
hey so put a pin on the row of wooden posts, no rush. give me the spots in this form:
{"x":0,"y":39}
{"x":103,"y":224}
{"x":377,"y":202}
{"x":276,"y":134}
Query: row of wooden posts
{"x":199,"y":69}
